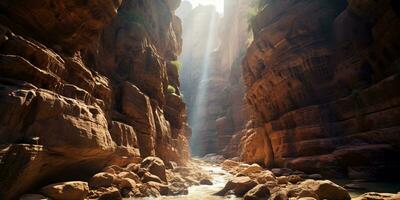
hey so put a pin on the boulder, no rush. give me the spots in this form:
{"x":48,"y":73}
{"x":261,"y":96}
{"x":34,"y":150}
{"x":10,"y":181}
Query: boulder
{"x":259,"y":192}
{"x":147,"y":177}
{"x":155,"y":166}
{"x":74,"y":190}
{"x":239,"y":185}
{"x":282,"y":180}
{"x":294,"y":178}
{"x":326,"y":189}
{"x":265,"y":176}
{"x":111,"y":194}
{"x":102,"y":179}
{"x":279,"y":195}
{"x":252,"y":169}
{"x":205,"y":181}
{"x":229,"y":165}
{"x":161,"y":188}
{"x":129,"y":175}
{"x":126,"y":183}
{"x":378,"y":196}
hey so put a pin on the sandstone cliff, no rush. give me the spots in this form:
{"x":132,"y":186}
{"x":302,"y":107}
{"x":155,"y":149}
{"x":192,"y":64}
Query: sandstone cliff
{"x":323,"y":80}
{"x":85,"y":84}
{"x":211,"y":75}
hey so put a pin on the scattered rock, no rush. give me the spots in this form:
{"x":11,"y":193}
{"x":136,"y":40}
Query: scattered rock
{"x":294,"y":178}
{"x":378,"y":196}
{"x":229,"y":165}
{"x":111,"y":194}
{"x":326,"y":189}
{"x":76,"y":190}
{"x":206,"y":181}
{"x":126,"y":183}
{"x":129,"y":175}
{"x":239,"y":185}
{"x":155,"y":166}
{"x":279,"y":195}
{"x":282,"y":180}
{"x":259,"y":192}
{"x":147,"y":177}
{"x":254,"y":168}
{"x":102,"y":179}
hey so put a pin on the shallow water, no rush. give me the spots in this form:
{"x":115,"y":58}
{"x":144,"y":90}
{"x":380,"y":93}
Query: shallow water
{"x":204,"y":192}
{"x":221,"y":177}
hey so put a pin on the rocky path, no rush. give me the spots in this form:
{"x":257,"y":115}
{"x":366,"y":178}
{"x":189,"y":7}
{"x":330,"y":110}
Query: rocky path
{"x":206,"y":192}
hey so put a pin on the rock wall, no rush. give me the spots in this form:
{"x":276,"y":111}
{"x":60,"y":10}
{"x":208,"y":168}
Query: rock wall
{"x":322,"y":79}
{"x":84,"y":84}
{"x":211,"y":75}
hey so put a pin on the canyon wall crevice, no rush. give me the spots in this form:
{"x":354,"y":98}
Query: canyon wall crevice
{"x":211,"y":76}
{"x":322,"y":81}
{"x":85,"y":84}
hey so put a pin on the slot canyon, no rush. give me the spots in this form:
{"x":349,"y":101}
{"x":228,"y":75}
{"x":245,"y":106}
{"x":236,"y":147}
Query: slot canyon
{"x":200,"y":99}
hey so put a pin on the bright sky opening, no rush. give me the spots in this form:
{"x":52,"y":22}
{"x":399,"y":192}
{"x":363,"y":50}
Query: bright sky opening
{"x":219,"y":4}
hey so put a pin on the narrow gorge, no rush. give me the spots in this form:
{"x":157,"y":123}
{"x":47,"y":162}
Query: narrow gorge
{"x":200,"y":99}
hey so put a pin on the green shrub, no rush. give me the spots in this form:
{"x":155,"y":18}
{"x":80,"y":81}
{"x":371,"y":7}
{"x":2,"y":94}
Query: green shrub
{"x":171,"y":89}
{"x":177,"y":64}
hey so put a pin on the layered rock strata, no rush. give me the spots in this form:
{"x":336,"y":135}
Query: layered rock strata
{"x":84,"y":84}
{"x":324,"y":87}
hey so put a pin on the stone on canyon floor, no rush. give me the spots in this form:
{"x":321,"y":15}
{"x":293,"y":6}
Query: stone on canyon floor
{"x":229,"y":165}
{"x":265,"y":176}
{"x":294,"y":179}
{"x":206,"y":181}
{"x":378,"y":196}
{"x":295,"y":191}
{"x":252,"y":169}
{"x":155,"y":166}
{"x":282,"y":180}
{"x":259,"y":192}
{"x":326,"y":189}
{"x":239,"y":185}
{"x":102,"y":179}
{"x":76,"y":190}
{"x":147,"y":177}
{"x":111,"y":194}
{"x":33,"y":197}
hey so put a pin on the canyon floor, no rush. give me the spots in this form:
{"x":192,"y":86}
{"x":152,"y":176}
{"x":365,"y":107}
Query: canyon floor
{"x":223,"y":171}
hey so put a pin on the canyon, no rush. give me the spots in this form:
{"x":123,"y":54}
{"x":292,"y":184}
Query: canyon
{"x":114,"y":99}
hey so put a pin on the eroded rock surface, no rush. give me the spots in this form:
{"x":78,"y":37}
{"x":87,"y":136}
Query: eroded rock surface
{"x":323,"y":88}
{"x":83,"y":85}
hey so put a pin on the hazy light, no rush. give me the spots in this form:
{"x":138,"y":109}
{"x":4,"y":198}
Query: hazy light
{"x":219,"y":4}
{"x":200,"y":105}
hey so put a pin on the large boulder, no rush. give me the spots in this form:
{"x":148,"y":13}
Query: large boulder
{"x":155,"y":166}
{"x":239,"y":185}
{"x":102,"y":179}
{"x":259,"y":192}
{"x":326,"y":189}
{"x":74,"y":190}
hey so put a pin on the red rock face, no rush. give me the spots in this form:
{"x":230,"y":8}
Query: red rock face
{"x":323,"y":87}
{"x":83,"y":85}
